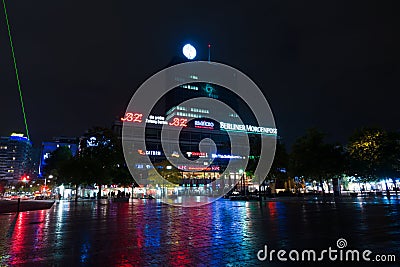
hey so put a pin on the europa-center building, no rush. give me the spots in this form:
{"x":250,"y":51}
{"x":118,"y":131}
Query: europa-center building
{"x":204,"y":151}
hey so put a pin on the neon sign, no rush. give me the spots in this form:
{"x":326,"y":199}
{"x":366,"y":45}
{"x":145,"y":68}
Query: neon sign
{"x":204,"y":124}
{"x":197,"y":154}
{"x":247,"y":128}
{"x":149,"y":152}
{"x":132,"y":117}
{"x":178,"y":122}
{"x":138,"y":118}
{"x":175,"y":154}
{"x":199,"y":168}
{"x":226,"y":156}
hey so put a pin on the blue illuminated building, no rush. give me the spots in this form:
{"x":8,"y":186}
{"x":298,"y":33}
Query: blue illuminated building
{"x":15,"y":157}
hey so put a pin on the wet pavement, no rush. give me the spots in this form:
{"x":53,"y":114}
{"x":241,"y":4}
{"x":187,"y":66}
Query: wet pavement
{"x":224,"y":233}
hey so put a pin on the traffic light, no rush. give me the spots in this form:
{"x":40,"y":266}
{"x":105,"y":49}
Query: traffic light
{"x":25,"y":178}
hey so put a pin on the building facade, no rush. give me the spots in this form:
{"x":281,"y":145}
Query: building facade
{"x":204,"y":151}
{"x":15,"y":157}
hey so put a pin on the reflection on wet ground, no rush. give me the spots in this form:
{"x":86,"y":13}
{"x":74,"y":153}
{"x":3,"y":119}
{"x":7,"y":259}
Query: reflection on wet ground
{"x":224,"y":233}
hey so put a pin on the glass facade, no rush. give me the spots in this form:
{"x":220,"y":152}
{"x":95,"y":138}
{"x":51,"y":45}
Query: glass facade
{"x":186,"y":146}
{"x":15,"y":157}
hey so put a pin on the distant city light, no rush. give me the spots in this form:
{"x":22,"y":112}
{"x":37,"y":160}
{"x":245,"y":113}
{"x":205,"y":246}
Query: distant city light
{"x":189,"y":51}
{"x":17,"y":134}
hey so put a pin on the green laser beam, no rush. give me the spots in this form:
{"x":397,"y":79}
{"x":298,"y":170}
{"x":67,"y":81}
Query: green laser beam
{"x":16,"y":69}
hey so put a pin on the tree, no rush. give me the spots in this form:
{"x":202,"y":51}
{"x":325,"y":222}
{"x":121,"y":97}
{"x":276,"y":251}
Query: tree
{"x":313,"y":159}
{"x":75,"y":172}
{"x":391,"y":155}
{"x":121,"y":175}
{"x":101,"y":152}
{"x":279,"y":167}
{"x":56,"y":160}
{"x":365,"y":149}
{"x":374,"y":154}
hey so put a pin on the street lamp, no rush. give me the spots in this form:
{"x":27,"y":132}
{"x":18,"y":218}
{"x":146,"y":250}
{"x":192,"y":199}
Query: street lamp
{"x":50,"y":177}
{"x":45,"y":182}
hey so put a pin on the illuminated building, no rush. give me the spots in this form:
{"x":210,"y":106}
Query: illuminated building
{"x":15,"y":157}
{"x":192,"y":123}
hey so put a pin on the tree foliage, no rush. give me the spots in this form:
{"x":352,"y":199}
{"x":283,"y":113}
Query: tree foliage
{"x":56,"y":160}
{"x":374,"y":154}
{"x":280,"y":163}
{"x":102,"y":153}
{"x":313,"y":159}
{"x":100,"y":161}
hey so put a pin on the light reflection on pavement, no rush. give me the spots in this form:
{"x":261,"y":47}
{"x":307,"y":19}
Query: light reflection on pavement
{"x":224,"y":233}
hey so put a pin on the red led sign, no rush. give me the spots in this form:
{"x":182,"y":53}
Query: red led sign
{"x":138,"y":117}
{"x":132,"y":117}
{"x":178,"y":122}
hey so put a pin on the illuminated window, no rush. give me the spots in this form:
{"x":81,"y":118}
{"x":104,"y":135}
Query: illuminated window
{"x":191,"y":87}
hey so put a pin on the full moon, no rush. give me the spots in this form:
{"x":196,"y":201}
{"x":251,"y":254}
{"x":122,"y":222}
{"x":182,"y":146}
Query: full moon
{"x":189,"y":51}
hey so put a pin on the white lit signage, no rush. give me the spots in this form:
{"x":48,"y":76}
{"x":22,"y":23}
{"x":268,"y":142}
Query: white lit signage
{"x":247,"y":128}
{"x":149,"y":152}
{"x":156,"y":120}
{"x":92,"y":141}
{"x":204,"y":124}
{"x":139,"y":166}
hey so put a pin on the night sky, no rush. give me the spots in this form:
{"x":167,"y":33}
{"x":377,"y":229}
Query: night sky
{"x":333,"y":65}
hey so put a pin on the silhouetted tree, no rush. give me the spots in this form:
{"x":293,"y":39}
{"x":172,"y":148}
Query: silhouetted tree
{"x":56,"y":160}
{"x":75,"y":172}
{"x":279,"y":167}
{"x":100,"y":151}
{"x":313,"y":159}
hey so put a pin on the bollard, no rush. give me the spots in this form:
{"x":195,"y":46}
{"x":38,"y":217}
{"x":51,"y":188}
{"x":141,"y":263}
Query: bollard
{"x":19,"y":201}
